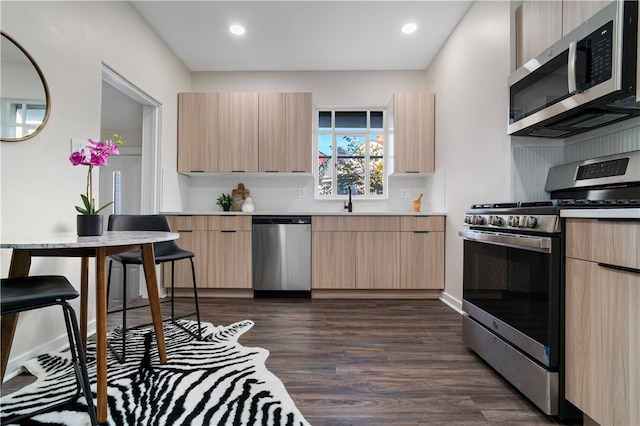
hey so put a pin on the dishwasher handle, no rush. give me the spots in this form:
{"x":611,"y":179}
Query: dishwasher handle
{"x":281,"y":220}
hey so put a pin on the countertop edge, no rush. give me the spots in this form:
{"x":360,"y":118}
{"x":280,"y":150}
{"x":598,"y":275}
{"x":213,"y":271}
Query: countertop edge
{"x":625,"y":213}
{"x":301,"y":213}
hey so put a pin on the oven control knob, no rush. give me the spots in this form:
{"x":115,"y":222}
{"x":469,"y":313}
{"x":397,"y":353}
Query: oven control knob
{"x":477,"y":220}
{"x":496,"y":221}
{"x":528,"y":222}
{"x":468,"y":219}
{"x":514,"y":221}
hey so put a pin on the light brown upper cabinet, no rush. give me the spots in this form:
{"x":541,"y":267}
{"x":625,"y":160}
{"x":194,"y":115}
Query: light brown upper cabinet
{"x":238,"y":132}
{"x":414,"y":132}
{"x":197,"y":132}
{"x":244,"y":132}
{"x":575,"y":13}
{"x":539,"y":24}
{"x":285,"y":132}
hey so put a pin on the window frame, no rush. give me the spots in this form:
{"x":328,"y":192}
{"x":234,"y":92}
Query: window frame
{"x":12,"y":108}
{"x":334,"y":156}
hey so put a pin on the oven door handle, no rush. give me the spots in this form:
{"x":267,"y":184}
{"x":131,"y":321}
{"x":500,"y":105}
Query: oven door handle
{"x":524,"y":242}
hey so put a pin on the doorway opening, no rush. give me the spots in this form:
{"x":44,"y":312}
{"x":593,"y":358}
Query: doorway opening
{"x":130,"y":179}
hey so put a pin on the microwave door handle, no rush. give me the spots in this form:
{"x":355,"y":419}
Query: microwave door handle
{"x":571,"y":70}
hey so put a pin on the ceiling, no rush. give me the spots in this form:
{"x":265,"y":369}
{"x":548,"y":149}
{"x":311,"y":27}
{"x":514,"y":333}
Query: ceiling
{"x":303,"y":35}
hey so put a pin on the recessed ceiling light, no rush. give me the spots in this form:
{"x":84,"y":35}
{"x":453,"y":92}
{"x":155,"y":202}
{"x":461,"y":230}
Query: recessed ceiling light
{"x":237,"y":29}
{"x":409,"y":28}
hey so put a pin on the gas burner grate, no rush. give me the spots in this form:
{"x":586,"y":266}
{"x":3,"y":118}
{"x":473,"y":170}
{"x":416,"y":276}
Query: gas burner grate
{"x":546,"y":203}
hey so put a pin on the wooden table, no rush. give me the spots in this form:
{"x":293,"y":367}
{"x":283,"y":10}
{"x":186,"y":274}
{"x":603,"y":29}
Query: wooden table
{"x":70,"y":245}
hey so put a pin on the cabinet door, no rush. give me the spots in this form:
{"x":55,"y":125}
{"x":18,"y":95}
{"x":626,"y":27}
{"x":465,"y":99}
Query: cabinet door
{"x":238,"y":132}
{"x":334,"y":260}
{"x":378,"y":260}
{"x":230,"y":253}
{"x":538,"y":26}
{"x":603,"y":342}
{"x":272,"y":134}
{"x":414,"y":136}
{"x":298,"y":119}
{"x":422,"y":260}
{"x":575,"y":13}
{"x":195,"y":241}
{"x":197,"y":132}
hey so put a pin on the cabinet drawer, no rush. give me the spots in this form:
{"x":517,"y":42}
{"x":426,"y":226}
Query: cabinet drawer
{"x":230,"y":223}
{"x":607,"y":241}
{"x":422,"y":223}
{"x":356,"y":223}
{"x":188,"y":223}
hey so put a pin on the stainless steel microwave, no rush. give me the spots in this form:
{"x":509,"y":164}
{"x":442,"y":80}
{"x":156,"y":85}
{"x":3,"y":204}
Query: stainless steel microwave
{"x":586,"y":80}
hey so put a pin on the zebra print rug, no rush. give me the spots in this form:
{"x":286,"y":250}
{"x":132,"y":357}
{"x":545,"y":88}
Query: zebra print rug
{"x":215,"y":381}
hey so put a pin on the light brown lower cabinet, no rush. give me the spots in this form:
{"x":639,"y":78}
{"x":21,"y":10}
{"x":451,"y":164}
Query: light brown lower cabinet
{"x":378,"y":253}
{"x":222,"y":247}
{"x":378,"y":260}
{"x":422,"y":260}
{"x":334,"y":260}
{"x":603,"y":320}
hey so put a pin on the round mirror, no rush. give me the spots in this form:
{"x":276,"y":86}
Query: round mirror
{"x":24,"y":95}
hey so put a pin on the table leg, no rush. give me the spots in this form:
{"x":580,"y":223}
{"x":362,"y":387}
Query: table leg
{"x":101,"y":333}
{"x":148,"y":262}
{"x":20,"y":264}
{"x":84,"y":294}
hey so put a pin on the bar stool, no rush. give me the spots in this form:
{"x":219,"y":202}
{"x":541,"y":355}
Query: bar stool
{"x":164,"y":252}
{"x":29,"y":293}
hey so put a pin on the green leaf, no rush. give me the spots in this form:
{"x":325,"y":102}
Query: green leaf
{"x":81,"y":210}
{"x":85,"y":201}
{"x":103,"y":207}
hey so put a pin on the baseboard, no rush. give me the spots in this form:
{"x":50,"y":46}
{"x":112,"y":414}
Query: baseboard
{"x":14,"y":366}
{"x":216,"y":292}
{"x":374,"y":294}
{"x":452,"y":302}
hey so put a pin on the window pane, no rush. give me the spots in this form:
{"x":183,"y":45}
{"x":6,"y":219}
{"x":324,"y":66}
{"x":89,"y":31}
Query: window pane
{"x":325,"y":145}
{"x":376,"y":121}
{"x":324,"y":119}
{"x":350,"y":167}
{"x":35,"y":114}
{"x":325,"y":169}
{"x":351,"y":120}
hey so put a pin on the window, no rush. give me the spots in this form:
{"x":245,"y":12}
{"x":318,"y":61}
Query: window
{"x":351,"y":153}
{"x":22,"y":118}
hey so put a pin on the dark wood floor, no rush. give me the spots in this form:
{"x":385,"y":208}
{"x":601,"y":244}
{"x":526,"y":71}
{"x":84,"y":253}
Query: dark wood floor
{"x":370,"y":362}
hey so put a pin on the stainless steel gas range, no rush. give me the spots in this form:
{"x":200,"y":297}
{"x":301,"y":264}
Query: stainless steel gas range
{"x":513,"y":275}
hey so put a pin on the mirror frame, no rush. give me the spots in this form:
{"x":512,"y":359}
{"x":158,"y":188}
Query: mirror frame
{"x":46,"y":92}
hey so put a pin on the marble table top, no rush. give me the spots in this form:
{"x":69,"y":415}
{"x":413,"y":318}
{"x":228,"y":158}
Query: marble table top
{"x":71,"y":240}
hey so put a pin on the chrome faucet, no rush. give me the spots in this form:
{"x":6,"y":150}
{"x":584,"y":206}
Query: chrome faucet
{"x":349,"y":205}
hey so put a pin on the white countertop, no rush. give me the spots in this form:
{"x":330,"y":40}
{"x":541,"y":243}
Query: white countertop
{"x":71,"y":240}
{"x":304,"y":213}
{"x":626,"y":213}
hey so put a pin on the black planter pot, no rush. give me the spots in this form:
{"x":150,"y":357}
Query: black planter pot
{"x":89,"y":225}
{"x":225,"y":208}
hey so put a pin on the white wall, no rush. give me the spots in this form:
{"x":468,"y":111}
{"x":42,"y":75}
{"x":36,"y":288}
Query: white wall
{"x":469,"y":79}
{"x":70,"y":41}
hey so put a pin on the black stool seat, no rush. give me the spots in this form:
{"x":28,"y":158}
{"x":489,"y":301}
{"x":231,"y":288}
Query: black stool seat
{"x":162,"y":255}
{"x":29,"y":293}
{"x":21,"y":294}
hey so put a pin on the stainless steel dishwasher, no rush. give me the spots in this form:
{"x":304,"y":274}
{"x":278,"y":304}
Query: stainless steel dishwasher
{"x":281,"y":256}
